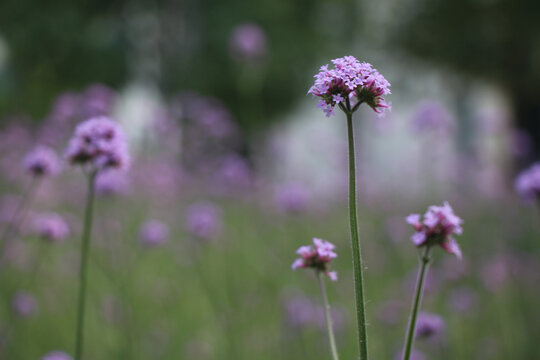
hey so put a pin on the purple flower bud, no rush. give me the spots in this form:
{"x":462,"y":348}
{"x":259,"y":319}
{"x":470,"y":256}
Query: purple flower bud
{"x":42,"y":161}
{"x":353,"y":80}
{"x":247,"y":42}
{"x":51,"y":227}
{"x":204,"y":220}
{"x":429,"y":325}
{"x":24,"y":304}
{"x":317,"y":257}
{"x":56,"y":355}
{"x":99,"y":143}
{"x":437,"y":227}
{"x":153,"y":233}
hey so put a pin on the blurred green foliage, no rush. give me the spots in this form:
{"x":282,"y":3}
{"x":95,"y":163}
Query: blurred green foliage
{"x":63,"y":45}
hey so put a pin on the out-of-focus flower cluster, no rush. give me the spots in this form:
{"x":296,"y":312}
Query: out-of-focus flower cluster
{"x":316,"y":256}
{"x":351,"y":82}
{"x":528,"y":183}
{"x":42,"y":161}
{"x":51,"y":227}
{"x":437,"y":227}
{"x":99,"y":143}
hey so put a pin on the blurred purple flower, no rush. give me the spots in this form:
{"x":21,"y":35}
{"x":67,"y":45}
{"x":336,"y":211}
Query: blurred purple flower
{"x":437,"y":228}
{"x":153,"y":233}
{"x":429,"y":325}
{"x":42,"y":161}
{"x":56,"y":355}
{"x":100,"y":143}
{"x":292,"y":198}
{"x":234,"y":173}
{"x":112,"y":182}
{"x":204,"y":220}
{"x":24,"y":304}
{"x":431,"y":117}
{"x":316,"y":257}
{"x":302,"y":312}
{"x":353,"y":80}
{"x":97,"y":100}
{"x":247,"y":42}
{"x":528,"y":183}
{"x":51,"y":227}
{"x":462,"y":300}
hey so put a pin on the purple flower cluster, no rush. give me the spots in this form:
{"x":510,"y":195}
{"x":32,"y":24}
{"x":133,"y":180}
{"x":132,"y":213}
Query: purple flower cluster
{"x":51,"y":227}
{"x":100,"y":144}
{"x":24,"y":304}
{"x":153,"y":233}
{"x":248,"y":42}
{"x":204,"y":220}
{"x":56,"y":355}
{"x":351,"y":82}
{"x":429,"y":325}
{"x":436,"y":228}
{"x":42,"y":161}
{"x":316,"y":257}
{"x":528,"y":183}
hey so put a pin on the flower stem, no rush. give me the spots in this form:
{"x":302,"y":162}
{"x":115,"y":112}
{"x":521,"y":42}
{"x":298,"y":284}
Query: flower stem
{"x":18,"y":214}
{"x":328,"y":318}
{"x":85,"y":245}
{"x":424,"y":261}
{"x":355,"y":241}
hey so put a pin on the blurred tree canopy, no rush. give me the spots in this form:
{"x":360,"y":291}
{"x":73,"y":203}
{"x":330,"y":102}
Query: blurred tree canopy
{"x":61,"y":45}
{"x":498,"y":40}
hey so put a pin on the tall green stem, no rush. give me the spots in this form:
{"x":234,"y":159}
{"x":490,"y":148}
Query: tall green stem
{"x":424,"y":261}
{"x":355,"y":241}
{"x":85,"y":245}
{"x":327,"y":317}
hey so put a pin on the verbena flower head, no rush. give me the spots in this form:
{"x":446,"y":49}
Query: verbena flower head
{"x":98,"y":143}
{"x":316,"y":256}
{"x":51,"y":227}
{"x":429,"y":325}
{"x":56,"y":355}
{"x":153,"y":233}
{"x":204,"y":220}
{"x":24,"y":304}
{"x":350,"y":79}
{"x":42,"y":161}
{"x":437,"y":227}
{"x":528,"y":183}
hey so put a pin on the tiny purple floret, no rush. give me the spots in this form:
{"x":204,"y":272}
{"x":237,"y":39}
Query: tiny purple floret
{"x":317,"y":256}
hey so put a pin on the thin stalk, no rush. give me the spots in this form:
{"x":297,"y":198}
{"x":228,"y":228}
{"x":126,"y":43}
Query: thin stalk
{"x":409,"y":341}
{"x":355,"y":241}
{"x":17,"y":216}
{"x":328,"y":318}
{"x":85,"y":245}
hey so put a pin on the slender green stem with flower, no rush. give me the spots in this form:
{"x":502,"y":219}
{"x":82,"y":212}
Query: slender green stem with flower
{"x":409,"y":341}
{"x":85,"y":246}
{"x":328,"y":318}
{"x":355,"y":240}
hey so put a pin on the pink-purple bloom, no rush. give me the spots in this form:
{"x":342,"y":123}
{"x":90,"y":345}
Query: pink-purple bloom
{"x":204,"y":220}
{"x":348,"y":85}
{"x":429,"y":325}
{"x":99,"y":143}
{"x":528,"y":183}
{"x":153,"y":233}
{"x":248,"y":42}
{"x":42,"y":161}
{"x":437,"y":227}
{"x":317,"y":256}
{"x":24,"y":304}
{"x":56,"y":355}
{"x":51,"y":227}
